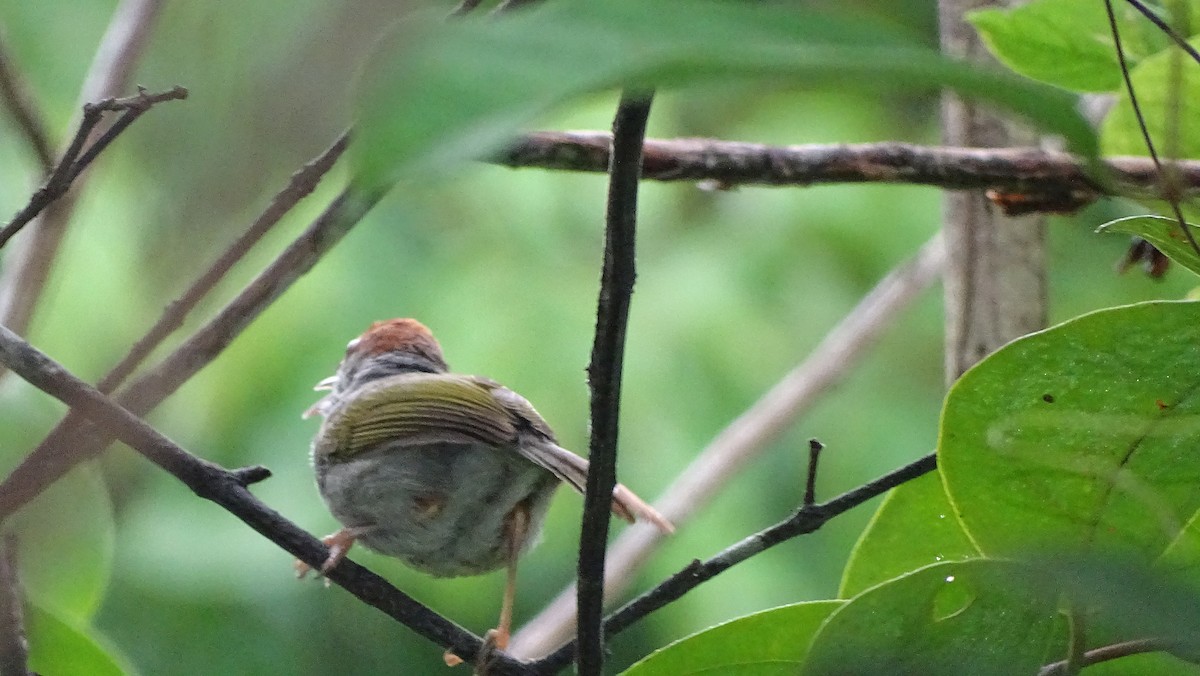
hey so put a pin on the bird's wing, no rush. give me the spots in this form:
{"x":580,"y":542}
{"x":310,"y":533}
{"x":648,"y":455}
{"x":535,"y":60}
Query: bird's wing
{"x":416,"y":408}
{"x":539,"y":446}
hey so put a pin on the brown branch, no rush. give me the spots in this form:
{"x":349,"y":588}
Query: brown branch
{"x":604,"y":371}
{"x":69,"y":444}
{"x":28,"y":269}
{"x":301,"y":184}
{"x":75,"y":159}
{"x":19,"y":99}
{"x":746,"y":437}
{"x":229,"y":490}
{"x":727,"y":164}
{"x":1113,"y":652}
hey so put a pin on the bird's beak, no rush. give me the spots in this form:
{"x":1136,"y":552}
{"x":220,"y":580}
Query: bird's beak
{"x":319,"y":407}
{"x":326,"y":384}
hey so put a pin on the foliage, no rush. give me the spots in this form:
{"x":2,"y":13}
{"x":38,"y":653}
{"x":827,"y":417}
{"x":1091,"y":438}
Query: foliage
{"x":1075,"y":438}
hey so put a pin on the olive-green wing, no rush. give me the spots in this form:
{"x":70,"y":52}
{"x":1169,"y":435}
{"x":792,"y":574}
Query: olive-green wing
{"x":416,"y":408}
{"x":539,"y":446}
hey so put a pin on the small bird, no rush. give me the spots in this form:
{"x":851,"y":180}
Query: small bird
{"x":450,"y":473}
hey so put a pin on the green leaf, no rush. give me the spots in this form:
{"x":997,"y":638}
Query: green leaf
{"x":887,"y":547}
{"x":1158,"y":83}
{"x":441,"y":92}
{"x":1163,"y":233}
{"x":66,"y":544}
{"x":773,"y":641}
{"x":1062,"y":42}
{"x":962,"y":617}
{"x":1124,"y":598}
{"x":58,"y":645}
{"x":1080,"y":436}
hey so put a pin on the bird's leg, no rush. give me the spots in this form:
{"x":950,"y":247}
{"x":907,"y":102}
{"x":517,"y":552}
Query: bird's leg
{"x":339,"y":544}
{"x":516,"y":530}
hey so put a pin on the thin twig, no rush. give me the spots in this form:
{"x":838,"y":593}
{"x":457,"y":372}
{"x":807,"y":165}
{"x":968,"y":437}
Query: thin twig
{"x":806,"y":520}
{"x":228,"y":489}
{"x":1171,"y":191}
{"x":810,"y":484}
{"x":1167,"y":30}
{"x":75,"y":159}
{"x":28,"y":268}
{"x":19,"y":99}
{"x":747,"y":436}
{"x":604,"y":371}
{"x":14,"y":647}
{"x":69,"y":444}
{"x":1113,"y":652}
{"x":301,"y":184}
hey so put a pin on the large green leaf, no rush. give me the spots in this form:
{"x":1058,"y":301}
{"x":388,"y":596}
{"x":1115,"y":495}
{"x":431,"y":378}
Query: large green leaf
{"x":887,"y":547}
{"x":1159,"y":85}
{"x":1063,"y":42}
{"x":66,"y":544}
{"x":440,"y":92}
{"x":773,"y":641}
{"x":1080,"y":436}
{"x":1163,"y":233}
{"x":963,"y":617}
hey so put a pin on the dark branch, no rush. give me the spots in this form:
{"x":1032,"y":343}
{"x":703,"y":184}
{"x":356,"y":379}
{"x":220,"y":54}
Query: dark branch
{"x":227,"y":489}
{"x":1165,"y":27}
{"x":810,"y":485}
{"x":806,"y":520}
{"x":726,"y":164}
{"x":76,"y":159}
{"x":1170,"y":190}
{"x":604,"y":372}
{"x":72,"y":441}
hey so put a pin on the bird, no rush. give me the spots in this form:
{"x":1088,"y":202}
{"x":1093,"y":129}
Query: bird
{"x":452,"y":474}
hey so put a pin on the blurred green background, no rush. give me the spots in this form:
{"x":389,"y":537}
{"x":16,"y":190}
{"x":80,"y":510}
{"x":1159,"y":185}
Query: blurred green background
{"x":734,"y":289}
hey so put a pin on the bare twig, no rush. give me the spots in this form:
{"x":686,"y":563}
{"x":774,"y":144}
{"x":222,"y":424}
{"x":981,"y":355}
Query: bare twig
{"x":806,"y":520}
{"x":747,"y":436}
{"x":68,"y":444}
{"x":604,"y":371}
{"x":1112,"y":652}
{"x":75,"y":159}
{"x":1171,"y":192}
{"x":20,"y":102}
{"x":14,"y":647}
{"x":27,"y":270}
{"x":228,"y":489}
{"x":810,"y":485}
{"x":1166,"y":28}
{"x":301,"y":184}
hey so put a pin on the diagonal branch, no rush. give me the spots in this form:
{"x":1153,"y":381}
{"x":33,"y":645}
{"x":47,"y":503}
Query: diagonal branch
{"x":747,"y":436}
{"x":68,"y":444}
{"x":76,"y":158}
{"x":229,"y":490}
{"x":20,"y":102}
{"x":604,"y":371}
{"x":806,"y":520}
{"x":28,"y":269}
